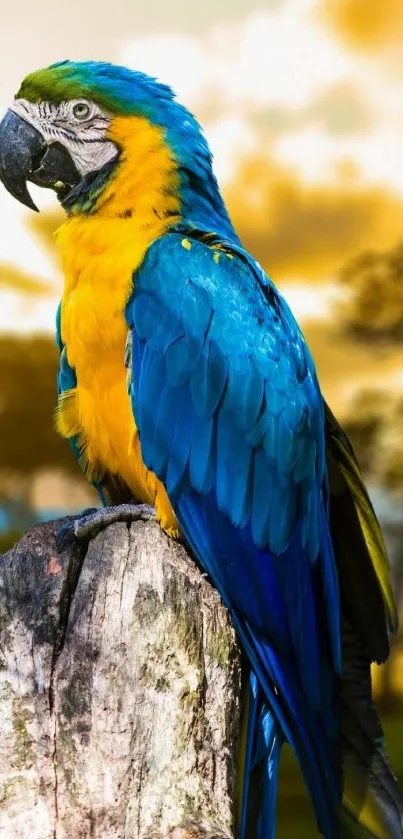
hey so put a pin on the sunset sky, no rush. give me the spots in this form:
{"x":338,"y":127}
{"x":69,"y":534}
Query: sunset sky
{"x":301,"y":100}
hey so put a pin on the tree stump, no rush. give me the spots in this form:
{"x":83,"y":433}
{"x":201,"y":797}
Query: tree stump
{"x":120,"y":683}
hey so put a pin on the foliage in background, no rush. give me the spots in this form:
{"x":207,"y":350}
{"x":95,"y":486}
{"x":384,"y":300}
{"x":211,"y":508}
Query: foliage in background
{"x":374,"y":308}
{"x":28,"y":365}
{"x":28,"y":394}
{"x":373,"y":313}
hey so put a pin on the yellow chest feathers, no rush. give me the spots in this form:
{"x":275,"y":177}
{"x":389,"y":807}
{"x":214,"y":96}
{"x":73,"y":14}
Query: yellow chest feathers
{"x":100,"y":252}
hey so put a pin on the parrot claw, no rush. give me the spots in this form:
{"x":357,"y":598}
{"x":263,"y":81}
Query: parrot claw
{"x":91,"y":521}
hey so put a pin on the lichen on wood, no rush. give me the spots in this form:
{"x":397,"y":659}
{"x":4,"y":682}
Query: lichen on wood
{"x":120,"y":684}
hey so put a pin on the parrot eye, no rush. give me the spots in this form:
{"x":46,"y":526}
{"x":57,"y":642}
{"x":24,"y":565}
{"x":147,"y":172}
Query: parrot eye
{"x":81,"y":110}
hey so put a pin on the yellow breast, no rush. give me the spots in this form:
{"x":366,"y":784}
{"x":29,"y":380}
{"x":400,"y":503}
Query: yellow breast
{"x":100,"y":252}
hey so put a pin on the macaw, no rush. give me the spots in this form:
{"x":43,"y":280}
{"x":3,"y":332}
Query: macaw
{"x":186,"y":385}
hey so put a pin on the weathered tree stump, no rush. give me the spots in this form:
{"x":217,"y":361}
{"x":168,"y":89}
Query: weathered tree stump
{"x":119,"y":691}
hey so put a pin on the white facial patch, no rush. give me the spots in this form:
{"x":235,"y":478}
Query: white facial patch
{"x":78,"y":124}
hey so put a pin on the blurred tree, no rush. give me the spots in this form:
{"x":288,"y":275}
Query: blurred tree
{"x":28,"y":442}
{"x":373,"y":307}
{"x":28,"y":395}
{"x":374,"y":423}
{"x":28,"y":378}
{"x":373,"y":311}
{"x":364,"y":423}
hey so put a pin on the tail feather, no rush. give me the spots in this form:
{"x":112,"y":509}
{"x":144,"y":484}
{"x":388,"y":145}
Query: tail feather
{"x":371,"y":797}
{"x":250,"y":708}
{"x":300,"y":726}
{"x":262,"y":820}
{"x":259,"y":764}
{"x":316,"y":747}
{"x":347,"y":765}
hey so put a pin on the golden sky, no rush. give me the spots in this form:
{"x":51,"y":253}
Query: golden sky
{"x":367,"y":25}
{"x":301,"y":100}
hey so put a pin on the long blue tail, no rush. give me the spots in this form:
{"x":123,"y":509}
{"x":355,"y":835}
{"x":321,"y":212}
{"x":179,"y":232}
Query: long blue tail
{"x":261,"y":743}
{"x":312,"y":733}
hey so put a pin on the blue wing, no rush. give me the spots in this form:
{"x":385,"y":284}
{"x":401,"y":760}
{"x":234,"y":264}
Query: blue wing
{"x":231,"y":420}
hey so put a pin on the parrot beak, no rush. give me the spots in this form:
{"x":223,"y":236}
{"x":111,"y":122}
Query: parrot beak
{"x":26,"y":156}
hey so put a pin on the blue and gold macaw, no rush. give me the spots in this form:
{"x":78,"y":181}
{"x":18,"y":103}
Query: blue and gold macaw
{"x":221,"y":427}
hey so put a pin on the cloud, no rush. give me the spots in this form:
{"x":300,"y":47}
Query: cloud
{"x":303,"y":230}
{"x":281,"y":81}
{"x":22,"y":315}
{"x":305,"y":132}
{"x":16,"y":243}
{"x":30,"y":281}
{"x":367,"y":25}
{"x":278,"y":57}
{"x":317,"y":155}
{"x":13,"y":278}
{"x":341,"y":111}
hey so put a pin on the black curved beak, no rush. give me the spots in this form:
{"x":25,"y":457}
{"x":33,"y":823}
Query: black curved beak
{"x":26,"y":156}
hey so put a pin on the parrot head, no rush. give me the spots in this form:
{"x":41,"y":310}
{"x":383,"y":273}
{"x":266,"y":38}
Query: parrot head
{"x":73,"y":124}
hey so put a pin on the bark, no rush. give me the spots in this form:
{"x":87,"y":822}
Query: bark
{"x":119,"y":691}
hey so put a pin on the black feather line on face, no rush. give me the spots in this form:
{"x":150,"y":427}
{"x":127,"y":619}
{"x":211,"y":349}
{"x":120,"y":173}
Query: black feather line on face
{"x":89,"y":188}
{"x":64,"y":133}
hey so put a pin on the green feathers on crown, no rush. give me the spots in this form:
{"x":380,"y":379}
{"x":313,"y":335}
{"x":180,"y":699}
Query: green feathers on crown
{"x":114,"y":88}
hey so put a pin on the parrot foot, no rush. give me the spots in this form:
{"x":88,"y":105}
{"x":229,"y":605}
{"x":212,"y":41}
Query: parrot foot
{"x":91,"y":521}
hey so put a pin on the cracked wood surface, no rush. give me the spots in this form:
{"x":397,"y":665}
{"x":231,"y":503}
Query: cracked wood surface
{"x":119,"y":691}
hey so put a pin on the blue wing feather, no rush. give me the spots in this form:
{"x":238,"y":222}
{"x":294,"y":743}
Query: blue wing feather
{"x":230,"y":418}
{"x":209,"y":380}
{"x":202,"y":455}
{"x":250,"y":396}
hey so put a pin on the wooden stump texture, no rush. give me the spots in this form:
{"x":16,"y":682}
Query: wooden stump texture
{"x":120,"y":684}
